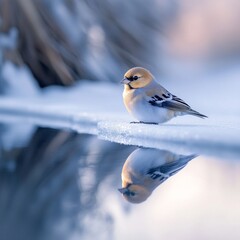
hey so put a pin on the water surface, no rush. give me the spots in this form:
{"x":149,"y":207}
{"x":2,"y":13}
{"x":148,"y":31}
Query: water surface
{"x":57,"y":184}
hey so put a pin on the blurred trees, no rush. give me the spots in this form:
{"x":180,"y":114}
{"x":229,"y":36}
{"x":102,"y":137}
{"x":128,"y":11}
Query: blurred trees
{"x":41,"y":44}
{"x":63,"y":40}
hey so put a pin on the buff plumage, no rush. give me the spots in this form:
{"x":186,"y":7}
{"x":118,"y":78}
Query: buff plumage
{"x":148,"y":102}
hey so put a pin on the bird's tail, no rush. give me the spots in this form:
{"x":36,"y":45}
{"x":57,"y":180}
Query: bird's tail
{"x":195,"y":113}
{"x":187,"y":158}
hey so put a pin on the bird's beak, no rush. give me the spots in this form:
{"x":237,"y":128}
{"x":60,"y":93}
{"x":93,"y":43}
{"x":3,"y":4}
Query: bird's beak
{"x":123,"y":190}
{"x":125,"y":81}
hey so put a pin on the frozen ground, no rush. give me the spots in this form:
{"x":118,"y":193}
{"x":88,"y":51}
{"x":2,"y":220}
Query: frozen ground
{"x":97,"y":108}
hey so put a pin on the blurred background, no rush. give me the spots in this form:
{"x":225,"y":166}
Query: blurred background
{"x":63,"y":41}
{"x":54,"y":184}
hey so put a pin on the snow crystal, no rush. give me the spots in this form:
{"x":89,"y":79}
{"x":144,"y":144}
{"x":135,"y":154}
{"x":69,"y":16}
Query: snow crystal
{"x":181,"y":138}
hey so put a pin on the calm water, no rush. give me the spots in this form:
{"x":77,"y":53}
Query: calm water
{"x":63,"y":185}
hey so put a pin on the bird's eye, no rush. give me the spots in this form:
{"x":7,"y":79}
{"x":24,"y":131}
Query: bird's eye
{"x":135,"y":77}
{"x":132,"y":194}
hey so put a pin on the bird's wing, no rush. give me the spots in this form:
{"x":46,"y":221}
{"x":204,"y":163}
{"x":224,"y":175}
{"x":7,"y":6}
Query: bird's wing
{"x":167,"y":170}
{"x":160,"y":97}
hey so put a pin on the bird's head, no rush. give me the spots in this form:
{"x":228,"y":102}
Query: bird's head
{"x":137,"y":77}
{"x":135,"y":193}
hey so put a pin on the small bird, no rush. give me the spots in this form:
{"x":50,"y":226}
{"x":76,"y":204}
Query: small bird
{"x":147,"y":168}
{"x":148,"y":102}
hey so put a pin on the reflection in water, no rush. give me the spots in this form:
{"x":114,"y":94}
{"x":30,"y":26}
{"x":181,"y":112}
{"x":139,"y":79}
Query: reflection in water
{"x":34,"y":194}
{"x":146,"y":168}
{"x":48,"y":188}
{"x":59,"y":185}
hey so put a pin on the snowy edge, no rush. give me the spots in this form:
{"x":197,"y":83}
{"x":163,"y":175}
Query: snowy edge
{"x":222,"y":141}
{"x":217,"y":141}
{"x":12,"y":111}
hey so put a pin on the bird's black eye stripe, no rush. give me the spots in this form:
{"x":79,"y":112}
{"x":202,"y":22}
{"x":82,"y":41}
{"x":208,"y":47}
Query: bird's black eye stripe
{"x":133,"y":78}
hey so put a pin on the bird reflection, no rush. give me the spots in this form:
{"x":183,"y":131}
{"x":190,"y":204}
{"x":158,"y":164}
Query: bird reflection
{"x":146,"y":168}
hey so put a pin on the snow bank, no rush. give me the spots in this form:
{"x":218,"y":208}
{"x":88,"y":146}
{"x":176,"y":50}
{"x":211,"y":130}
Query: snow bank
{"x":219,"y":140}
{"x":16,"y":111}
{"x":184,"y":135}
{"x":97,"y":108}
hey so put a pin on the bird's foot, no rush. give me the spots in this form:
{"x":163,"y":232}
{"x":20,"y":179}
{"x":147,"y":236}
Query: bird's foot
{"x":153,"y":123}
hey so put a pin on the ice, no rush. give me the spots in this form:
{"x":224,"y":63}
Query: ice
{"x":182,"y":138}
{"x":47,"y":116}
{"x":78,"y":108}
{"x":97,"y":108}
{"x":184,"y":135}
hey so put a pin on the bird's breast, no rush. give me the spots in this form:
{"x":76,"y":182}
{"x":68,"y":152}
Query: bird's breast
{"x":138,"y":106}
{"x":131,"y":99}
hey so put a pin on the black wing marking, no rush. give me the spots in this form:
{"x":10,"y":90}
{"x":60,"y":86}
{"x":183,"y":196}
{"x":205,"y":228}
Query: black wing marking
{"x":157,"y":100}
{"x":166,"y":171}
{"x":169,"y":169}
{"x":174,"y":103}
{"x":167,"y":100}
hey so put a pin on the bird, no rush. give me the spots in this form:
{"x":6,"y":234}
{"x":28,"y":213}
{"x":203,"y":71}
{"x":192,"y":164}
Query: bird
{"x":147,"y":168}
{"x":148,"y":102}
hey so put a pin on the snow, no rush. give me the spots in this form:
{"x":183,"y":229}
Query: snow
{"x":219,"y":140}
{"x":9,"y":40}
{"x":97,"y":108}
{"x":19,"y":81}
{"x":47,"y":116}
